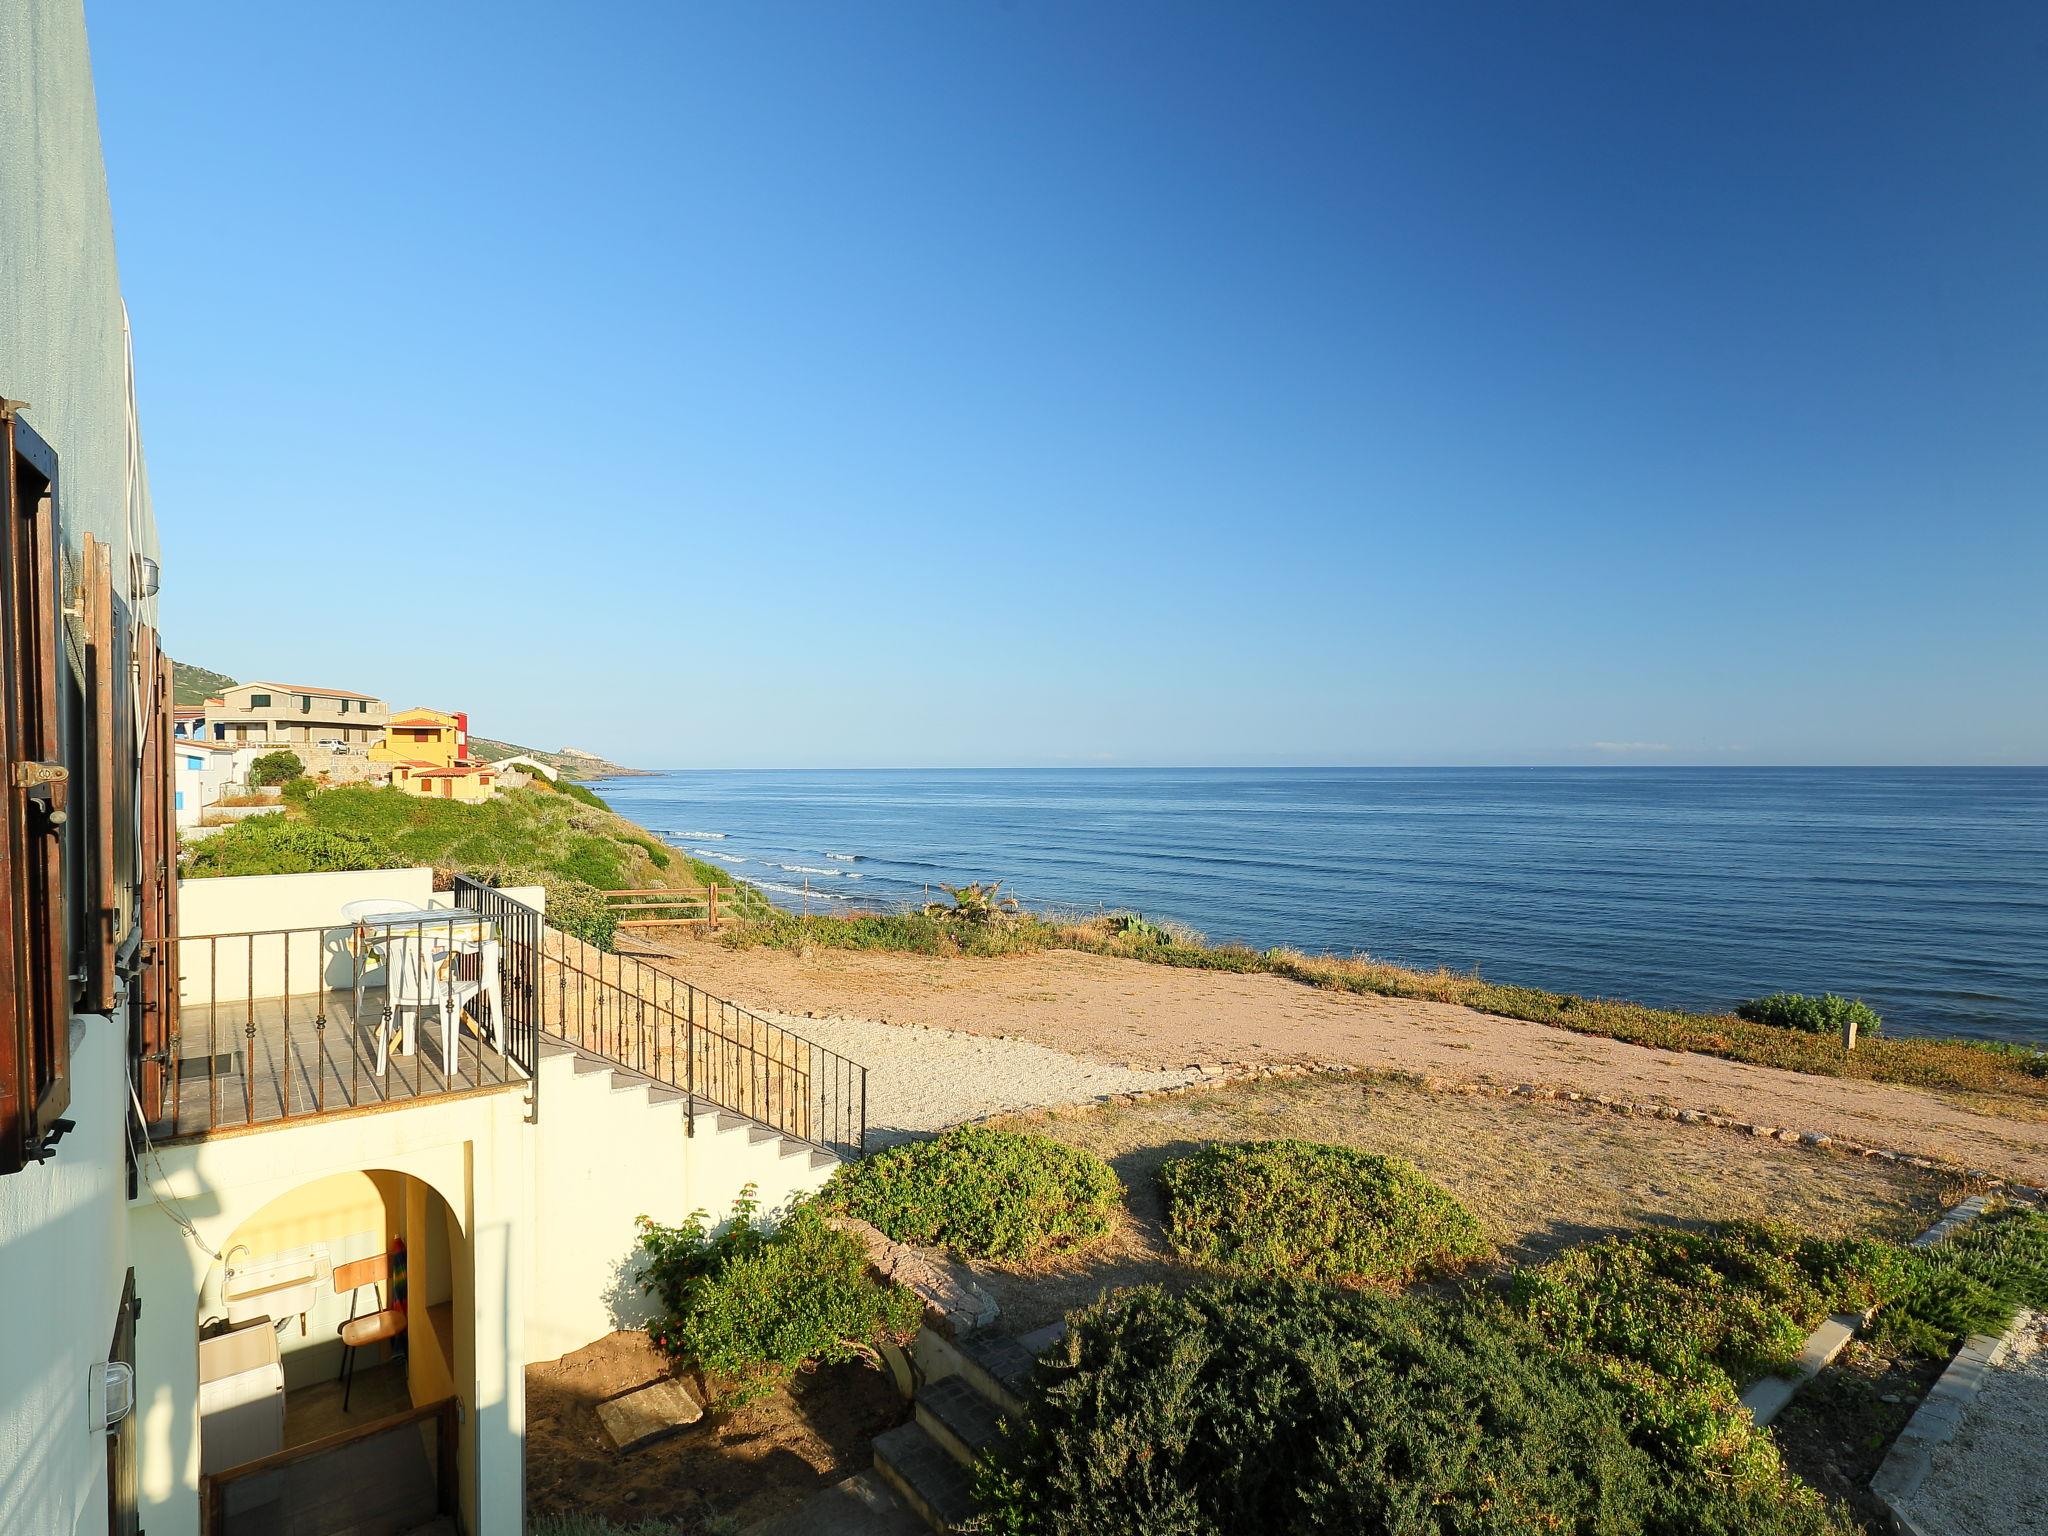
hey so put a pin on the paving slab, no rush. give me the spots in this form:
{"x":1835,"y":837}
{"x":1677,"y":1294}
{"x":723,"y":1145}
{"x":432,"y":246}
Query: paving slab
{"x":649,"y":1413}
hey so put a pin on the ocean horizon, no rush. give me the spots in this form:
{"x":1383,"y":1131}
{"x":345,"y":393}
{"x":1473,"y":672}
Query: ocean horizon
{"x":1922,"y":890}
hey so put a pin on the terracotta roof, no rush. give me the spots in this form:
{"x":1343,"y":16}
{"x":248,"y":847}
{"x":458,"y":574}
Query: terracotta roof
{"x":333,"y":693}
{"x":188,"y":710}
{"x":441,"y":717}
{"x":454,"y":773}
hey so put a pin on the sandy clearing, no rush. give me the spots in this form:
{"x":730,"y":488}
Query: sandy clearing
{"x":1154,"y":1017}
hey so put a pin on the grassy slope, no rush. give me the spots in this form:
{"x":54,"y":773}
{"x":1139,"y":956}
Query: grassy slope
{"x":193,"y":686}
{"x":1921,"y":1063}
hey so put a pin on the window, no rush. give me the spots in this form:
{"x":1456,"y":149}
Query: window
{"x":181,"y":799}
{"x":305,"y":703}
{"x":35,"y":990}
{"x":194,"y":763}
{"x":259,"y":701}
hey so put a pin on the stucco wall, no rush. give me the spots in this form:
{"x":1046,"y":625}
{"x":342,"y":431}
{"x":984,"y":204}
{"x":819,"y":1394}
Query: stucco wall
{"x":63,"y":1248}
{"x":471,"y":1152}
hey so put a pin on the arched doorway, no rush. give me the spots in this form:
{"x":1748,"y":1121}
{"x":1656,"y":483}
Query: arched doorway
{"x":292,"y":1418}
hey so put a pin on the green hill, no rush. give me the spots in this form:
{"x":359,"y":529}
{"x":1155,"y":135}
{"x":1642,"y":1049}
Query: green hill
{"x":193,"y":686}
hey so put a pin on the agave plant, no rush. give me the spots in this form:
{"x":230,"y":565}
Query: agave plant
{"x":975,"y":902}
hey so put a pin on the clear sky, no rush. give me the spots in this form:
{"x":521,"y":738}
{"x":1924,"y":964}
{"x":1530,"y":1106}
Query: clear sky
{"x":959,"y":382}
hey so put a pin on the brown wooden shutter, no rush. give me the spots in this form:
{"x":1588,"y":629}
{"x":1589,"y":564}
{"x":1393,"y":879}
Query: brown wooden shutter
{"x":156,"y":989}
{"x":35,"y":982}
{"x":98,"y":804}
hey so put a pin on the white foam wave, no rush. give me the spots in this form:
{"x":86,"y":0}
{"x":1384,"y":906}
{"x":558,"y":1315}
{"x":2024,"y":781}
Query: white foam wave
{"x":709,"y":837}
{"x":797,"y":890}
{"x":845,"y":858}
{"x":723,"y":858}
{"x":808,"y":869}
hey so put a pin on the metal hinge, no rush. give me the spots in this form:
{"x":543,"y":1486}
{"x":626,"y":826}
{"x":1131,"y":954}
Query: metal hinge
{"x":32,"y":775}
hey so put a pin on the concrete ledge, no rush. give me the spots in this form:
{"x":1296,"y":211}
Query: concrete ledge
{"x":1938,"y":1418}
{"x":953,"y":1304}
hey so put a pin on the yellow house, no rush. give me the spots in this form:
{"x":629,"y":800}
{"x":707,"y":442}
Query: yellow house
{"x":432,"y":736}
{"x":468,"y":782}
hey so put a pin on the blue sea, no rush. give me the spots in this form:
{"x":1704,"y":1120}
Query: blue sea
{"x":1923,"y":891}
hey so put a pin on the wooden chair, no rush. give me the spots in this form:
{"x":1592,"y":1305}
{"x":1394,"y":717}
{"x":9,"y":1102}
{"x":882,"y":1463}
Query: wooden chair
{"x":384,"y":1324}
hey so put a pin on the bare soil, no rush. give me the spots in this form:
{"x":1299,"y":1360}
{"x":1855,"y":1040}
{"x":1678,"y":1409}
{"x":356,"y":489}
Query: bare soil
{"x":1836,"y":1432}
{"x":719,"y":1475}
{"x":1160,"y":1017}
{"x":1540,"y":1174}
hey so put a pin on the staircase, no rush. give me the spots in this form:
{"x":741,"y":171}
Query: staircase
{"x":965,"y":1388}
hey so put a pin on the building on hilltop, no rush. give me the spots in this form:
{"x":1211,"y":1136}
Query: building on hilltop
{"x":435,"y":737}
{"x":283,"y":714}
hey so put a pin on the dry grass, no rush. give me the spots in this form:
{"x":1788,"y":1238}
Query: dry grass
{"x":1539,"y":1175}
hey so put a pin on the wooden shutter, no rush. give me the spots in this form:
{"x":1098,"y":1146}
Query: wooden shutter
{"x":97,"y":805}
{"x":156,"y":990}
{"x":35,"y":983}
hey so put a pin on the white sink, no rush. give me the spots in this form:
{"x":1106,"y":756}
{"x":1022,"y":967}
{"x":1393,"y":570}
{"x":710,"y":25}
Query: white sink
{"x":277,"y":1287}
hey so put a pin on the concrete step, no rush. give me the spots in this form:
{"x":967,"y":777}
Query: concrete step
{"x":929,"y":1480}
{"x":959,"y":1418}
{"x":999,"y":1368}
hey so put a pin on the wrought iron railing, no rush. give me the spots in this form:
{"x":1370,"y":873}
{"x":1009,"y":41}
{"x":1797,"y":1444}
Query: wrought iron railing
{"x":291,"y":1022}
{"x":715,"y":1052}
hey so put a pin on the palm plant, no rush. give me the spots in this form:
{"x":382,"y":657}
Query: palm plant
{"x":976,"y":903}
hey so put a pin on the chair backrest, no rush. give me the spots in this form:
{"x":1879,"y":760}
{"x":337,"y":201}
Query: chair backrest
{"x":413,"y":964}
{"x":375,"y":1270}
{"x":370,"y":906}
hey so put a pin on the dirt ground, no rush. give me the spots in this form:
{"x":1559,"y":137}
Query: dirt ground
{"x":714,"y":1477}
{"x":1539,"y":1174}
{"x":1157,"y":1016}
{"x":1836,"y":1432}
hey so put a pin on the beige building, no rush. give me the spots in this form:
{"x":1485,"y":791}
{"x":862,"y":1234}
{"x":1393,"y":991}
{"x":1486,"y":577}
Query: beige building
{"x":260,"y":714}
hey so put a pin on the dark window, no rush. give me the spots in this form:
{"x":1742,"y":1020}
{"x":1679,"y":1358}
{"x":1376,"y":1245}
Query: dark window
{"x":35,"y":987}
{"x":259,"y":701}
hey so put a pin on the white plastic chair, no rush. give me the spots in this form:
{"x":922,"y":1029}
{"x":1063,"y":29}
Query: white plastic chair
{"x":421,"y":976}
{"x":353,"y":913}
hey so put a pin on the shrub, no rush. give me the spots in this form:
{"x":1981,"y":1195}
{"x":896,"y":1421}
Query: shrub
{"x":276,"y":768}
{"x":1273,"y":1406}
{"x":654,"y":851}
{"x":1824,"y":1015}
{"x":984,"y":1194}
{"x":751,"y":1306}
{"x":1317,"y":1212}
{"x":1973,"y":1283}
{"x":1740,"y":1299}
{"x":276,"y":845}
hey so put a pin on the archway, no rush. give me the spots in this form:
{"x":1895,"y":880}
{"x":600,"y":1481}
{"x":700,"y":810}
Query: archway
{"x":373,"y":1258}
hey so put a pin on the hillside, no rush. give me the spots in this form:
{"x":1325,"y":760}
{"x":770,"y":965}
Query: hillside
{"x":566,"y":840}
{"x":192,"y":686}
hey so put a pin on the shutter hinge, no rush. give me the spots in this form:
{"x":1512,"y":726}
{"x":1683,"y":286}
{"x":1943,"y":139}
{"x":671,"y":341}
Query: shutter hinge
{"x":32,"y":775}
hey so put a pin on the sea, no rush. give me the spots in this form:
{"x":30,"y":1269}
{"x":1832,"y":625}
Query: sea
{"x":1923,"y":891}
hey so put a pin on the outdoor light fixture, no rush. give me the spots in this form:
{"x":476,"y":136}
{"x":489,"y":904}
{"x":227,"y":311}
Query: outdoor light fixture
{"x":109,"y":1394}
{"x":148,"y":576}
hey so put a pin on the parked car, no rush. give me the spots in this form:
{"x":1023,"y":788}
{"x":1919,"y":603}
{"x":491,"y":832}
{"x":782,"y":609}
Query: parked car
{"x":333,"y":744}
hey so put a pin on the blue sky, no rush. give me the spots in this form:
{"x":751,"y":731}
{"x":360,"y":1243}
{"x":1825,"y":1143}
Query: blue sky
{"x":770,"y":384}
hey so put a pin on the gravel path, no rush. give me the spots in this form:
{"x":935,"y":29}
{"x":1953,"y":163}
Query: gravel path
{"x":922,"y":1079}
{"x":1992,"y":1478}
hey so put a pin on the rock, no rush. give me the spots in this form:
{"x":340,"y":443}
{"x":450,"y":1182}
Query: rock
{"x":650,"y":1413}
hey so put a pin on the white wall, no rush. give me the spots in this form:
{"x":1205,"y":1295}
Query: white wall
{"x":470,"y":1151}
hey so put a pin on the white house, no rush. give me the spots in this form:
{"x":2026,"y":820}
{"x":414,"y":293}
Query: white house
{"x":203,"y":770}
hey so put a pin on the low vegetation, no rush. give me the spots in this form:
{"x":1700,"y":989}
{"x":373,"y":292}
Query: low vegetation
{"x":1961,"y":1065}
{"x":1315,"y":1212}
{"x":984,"y":1194}
{"x":1823,"y":1015}
{"x":1273,"y":1405}
{"x":748,"y":1306}
{"x":1973,"y":1283}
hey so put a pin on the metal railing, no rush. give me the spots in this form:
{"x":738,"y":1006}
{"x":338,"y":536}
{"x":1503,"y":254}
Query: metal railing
{"x":396,"y":1474}
{"x":718,"y":1054}
{"x":521,"y":931}
{"x":286,"y":1023}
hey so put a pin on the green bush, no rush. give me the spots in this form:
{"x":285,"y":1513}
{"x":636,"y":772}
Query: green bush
{"x":654,"y":851}
{"x":1314,"y":1212}
{"x":1739,"y":1299}
{"x":984,"y":1194}
{"x":1824,"y":1015}
{"x":276,"y":768}
{"x":1973,"y":1283}
{"x":276,"y":845}
{"x":1275,"y":1406}
{"x":750,"y":1306}
{"x":572,"y":907}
